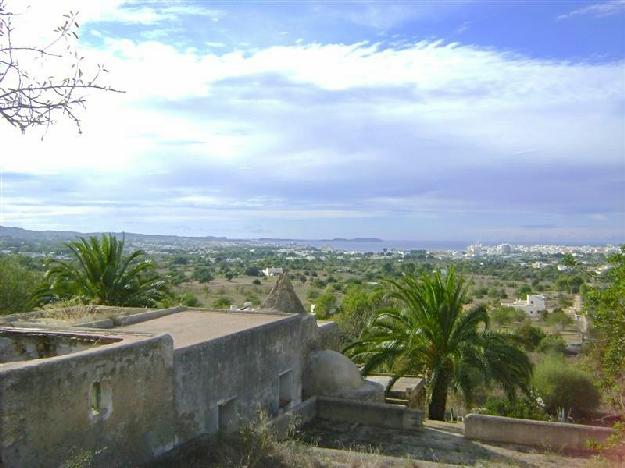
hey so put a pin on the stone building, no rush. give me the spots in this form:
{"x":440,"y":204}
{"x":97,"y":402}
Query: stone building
{"x":126,"y":389}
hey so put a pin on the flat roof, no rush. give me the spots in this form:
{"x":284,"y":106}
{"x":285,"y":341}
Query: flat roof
{"x":193,"y":326}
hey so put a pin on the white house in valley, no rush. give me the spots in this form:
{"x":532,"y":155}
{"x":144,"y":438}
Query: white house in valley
{"x":533,"y":305}
{"x":273,"y":271}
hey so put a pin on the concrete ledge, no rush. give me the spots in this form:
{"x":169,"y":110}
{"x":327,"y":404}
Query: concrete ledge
{"x":123,"y":320}
{"x":368,"y":413}
{"x":550,"y":435}
{"x":301,"y":414}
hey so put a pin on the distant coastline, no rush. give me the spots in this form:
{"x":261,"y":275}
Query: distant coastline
{"x":355,"y":244}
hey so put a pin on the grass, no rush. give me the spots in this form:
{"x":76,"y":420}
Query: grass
{"x":256,"y":445}
{"x":241,"y":289}
{"x":68,"y":313}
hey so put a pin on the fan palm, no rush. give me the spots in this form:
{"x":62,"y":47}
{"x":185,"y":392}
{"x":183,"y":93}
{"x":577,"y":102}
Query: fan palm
{"x":102,"y":274}
{"x":427,"y":331}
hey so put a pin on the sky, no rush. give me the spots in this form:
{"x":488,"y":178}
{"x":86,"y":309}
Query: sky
{"x":491,"y":121}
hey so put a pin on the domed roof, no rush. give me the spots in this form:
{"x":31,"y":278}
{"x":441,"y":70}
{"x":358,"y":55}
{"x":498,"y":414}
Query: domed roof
{"x":331,"y":373}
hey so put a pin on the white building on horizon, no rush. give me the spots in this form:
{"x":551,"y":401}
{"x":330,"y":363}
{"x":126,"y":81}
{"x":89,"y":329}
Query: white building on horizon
{"x":504,"y":249}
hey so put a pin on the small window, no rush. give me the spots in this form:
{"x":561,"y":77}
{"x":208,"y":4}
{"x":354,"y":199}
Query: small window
{"x":227,"y":415}
{"x":101,"y":403}
{"x":286,"y":391}
{"x":96,"y":398}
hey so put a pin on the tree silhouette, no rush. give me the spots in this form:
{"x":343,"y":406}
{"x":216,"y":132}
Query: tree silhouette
{"x":32,"y":94}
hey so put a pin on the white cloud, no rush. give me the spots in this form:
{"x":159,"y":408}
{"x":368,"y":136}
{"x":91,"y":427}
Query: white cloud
{"x":476,"y":95}
{"x":386,"y":15}
{"x":130,"y":14}
{"x":254,"y":132}
{"x":597,"y":10}
{"x":215,"y":45}
{"x":472,"y":93}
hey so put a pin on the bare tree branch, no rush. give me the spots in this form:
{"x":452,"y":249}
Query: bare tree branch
{"x":27,"y":100}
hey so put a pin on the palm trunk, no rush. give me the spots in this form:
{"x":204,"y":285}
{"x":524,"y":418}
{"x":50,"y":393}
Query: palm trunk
{"x":438,"y":401}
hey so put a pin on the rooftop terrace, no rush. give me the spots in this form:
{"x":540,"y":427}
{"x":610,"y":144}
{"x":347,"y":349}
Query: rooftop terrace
{"x":191,"y":327}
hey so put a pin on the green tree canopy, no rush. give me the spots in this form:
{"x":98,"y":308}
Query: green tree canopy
{"x":427,"y":331}
{"x":325,"y":304}
{"x":529,"y":336}
{"x":503,"y":315}
{"x":569,"y":260}
{"x":17,"y":285}
{"x":606,"y":308}
{"x":203,"y":274}
{"x":558,"y":319}
{"x":552,"y":344}
{"x":565,"y":388}
{"x":357,"y":308}
{"x":101,"y":273}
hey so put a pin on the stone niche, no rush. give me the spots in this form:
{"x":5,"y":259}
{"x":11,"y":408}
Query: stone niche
{"x":25,"y":345}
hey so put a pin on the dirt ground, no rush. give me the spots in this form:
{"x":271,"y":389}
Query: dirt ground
{"x":438,"y":442}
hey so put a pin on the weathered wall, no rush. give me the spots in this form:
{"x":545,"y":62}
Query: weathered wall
{"x":49,"y":414}
{"x":329,"y":336}
{"x":368,"y":413}
{"x":241,"y":372}
{"x":24,"y":346}
{"x":551,"y":435}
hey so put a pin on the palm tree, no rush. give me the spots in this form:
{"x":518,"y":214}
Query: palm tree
{"x":102,"y":274}
{"x":427,"y":331}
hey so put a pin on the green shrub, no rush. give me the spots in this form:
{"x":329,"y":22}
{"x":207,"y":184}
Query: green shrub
{"x":524,"y":290}
{"x":529,"y":336}
{"x":252,"y":271}
{"x":312,"y":293}
{"x":253,"y":298}
{"x":189,"y":299}
{"x":203,"y":275}
{"x":503,"y":315}
{"x":528,"y":407}
{"x":553,"y":344}
{"x":564,"y":387}
{"x":325,"y":305}
{"x":222,"y":302}
{"x":558,"y":319}
{"x":255,"y":445}
{"x":17,"y":285}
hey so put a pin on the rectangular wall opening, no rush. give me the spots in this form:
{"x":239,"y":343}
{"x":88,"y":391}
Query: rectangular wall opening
{"x":286,"y":389}
{"x":101,"y":400}
{"x":96,"y":398}
{"x":227,"y":415}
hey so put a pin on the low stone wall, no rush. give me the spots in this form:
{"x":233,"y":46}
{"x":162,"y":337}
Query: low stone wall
{"x":301,"y":414}
{"x":368,"y":413}
{"x":550,"y":435}
{"x":123,"y":320}
{"x":329,"y":335}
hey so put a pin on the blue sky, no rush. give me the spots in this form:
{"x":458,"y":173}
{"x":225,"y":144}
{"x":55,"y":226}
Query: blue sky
{"x":453,"y":120}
